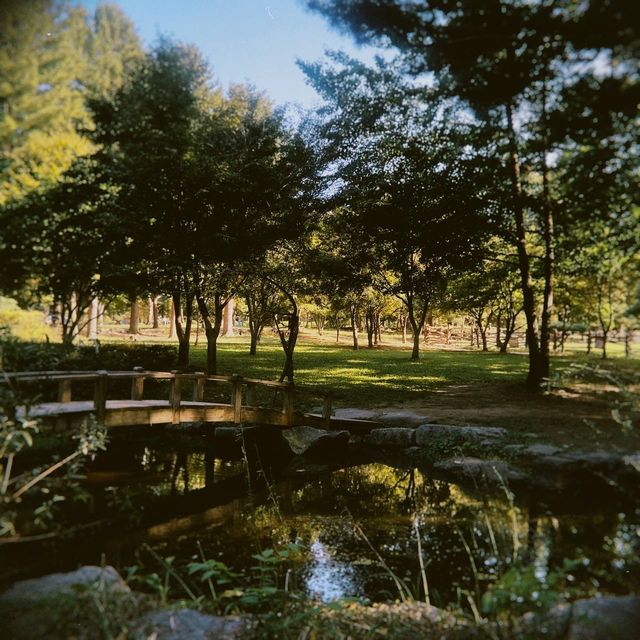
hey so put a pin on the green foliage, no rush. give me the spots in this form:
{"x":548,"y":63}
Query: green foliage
{"x":522,"y":590}
{"x":213,"y":570}
{"x":42,"y":488}
{"x":41,"y":63}
{"x":27,"y":325}
{"x":113,"y":50}
{"x":30,"y":356}
{"x":625,"y":405}
{"x":530,"y":97}
{"x":406,"y":202}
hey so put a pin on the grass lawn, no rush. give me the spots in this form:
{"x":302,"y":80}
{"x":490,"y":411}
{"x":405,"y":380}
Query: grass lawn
{"x":369,"y":376}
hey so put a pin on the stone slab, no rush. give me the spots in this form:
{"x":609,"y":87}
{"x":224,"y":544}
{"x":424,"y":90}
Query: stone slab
{"x":428,"y":434}
{"x":391,"y":437}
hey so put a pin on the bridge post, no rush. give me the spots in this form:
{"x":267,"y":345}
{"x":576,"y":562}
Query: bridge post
{"x":198,"y":387}
{"x":326,"y":411}
{"x":137,"y":384}
{"x":251,"y":394}
{"x":174,"y":397}
{"x":100,"y":396}
{"x":236,"y":398}
{"x":288,"y":403}
{"x":64,"y":391}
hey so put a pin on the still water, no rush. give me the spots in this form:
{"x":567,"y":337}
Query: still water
{"x":359,"y":527}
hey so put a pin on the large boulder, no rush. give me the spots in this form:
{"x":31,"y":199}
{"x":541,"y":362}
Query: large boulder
{"x":186,"y":624}
{"x":608,"y":618}
{"x":391,"y":437}
{"x":36,"y":589}
{"x":62,"y":605}
{"x":601,"y":618}
{"x":309,"y":440}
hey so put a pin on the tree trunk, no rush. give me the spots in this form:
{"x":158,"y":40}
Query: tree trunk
{"x":509,"y":330}
{"x":212,"y":327}
{"x":134,"y":317}
{"x":417,"y":323}
{"x":154,"y":312}
{"x":483,"y":335}
{"x":415,"y":352}
{"x":256,"y":322}
{"x":72,"y":307}
{"x":354,"y":327}
{"x":589,"y":339}
{"x":403,"y":327}
{"x":288,"y":340}
{"x":172,"y":319}
{"x":498,"y":330}
{"x":227,"y":329}
{"x":549,"y":251}
{"x":183,"y":326}
{"x":536,"y":368}
{"x":92,"y":323}
{"x":369,"y":324}
{"x":337,"y":320}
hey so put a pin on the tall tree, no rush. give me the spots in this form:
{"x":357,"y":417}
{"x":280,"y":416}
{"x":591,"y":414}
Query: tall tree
{"x":510,"y":61}
{"x":41,"y":98}
{"x":252,"y":190}
{"x":70,"y":237}
{"x":147,"y":131}
{"x":113,"y":50}
{"x":396,"y":154}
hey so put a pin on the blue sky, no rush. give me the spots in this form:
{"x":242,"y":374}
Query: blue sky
{"x":256,"y":41}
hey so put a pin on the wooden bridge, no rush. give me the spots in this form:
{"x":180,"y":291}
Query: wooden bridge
{"x":242,"y":408}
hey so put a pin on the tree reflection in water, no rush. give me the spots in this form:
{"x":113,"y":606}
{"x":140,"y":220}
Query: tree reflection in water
{"x":235,"y":510}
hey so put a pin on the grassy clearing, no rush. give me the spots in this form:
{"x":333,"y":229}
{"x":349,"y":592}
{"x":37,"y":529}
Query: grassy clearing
{"x":370,"y":376}
{"x":382,"y":376}
{"x":449,"y":386}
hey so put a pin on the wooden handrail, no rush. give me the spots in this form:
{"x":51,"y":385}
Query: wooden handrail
{"x":137,"y":373}
{"x":242,"y":408}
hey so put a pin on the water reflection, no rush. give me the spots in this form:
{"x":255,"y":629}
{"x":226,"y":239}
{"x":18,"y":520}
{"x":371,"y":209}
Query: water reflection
{"x":349,"y":520}
{"x":328,"y":579}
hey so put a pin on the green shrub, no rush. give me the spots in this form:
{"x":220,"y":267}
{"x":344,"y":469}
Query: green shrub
{"x":25,"y":325}
{"x":46,"y":356}
{"x":37,"y":356}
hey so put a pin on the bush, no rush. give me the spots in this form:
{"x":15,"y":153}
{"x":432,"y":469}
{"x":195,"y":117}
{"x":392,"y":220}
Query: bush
{"x":25,"y":325}
{"x":38,"y":356}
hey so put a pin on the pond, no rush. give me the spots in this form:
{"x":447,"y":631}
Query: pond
{"x":360,"y":526}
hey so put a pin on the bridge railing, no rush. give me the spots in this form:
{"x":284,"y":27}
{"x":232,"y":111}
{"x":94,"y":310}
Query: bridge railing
{"x":239,"y":386}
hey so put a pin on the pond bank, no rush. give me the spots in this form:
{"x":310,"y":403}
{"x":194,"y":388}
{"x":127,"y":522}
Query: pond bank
{"x":350,"y":508}
{"x":95,"y":602}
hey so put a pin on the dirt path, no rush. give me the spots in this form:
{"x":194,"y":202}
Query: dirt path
{"x":580,"y":417}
